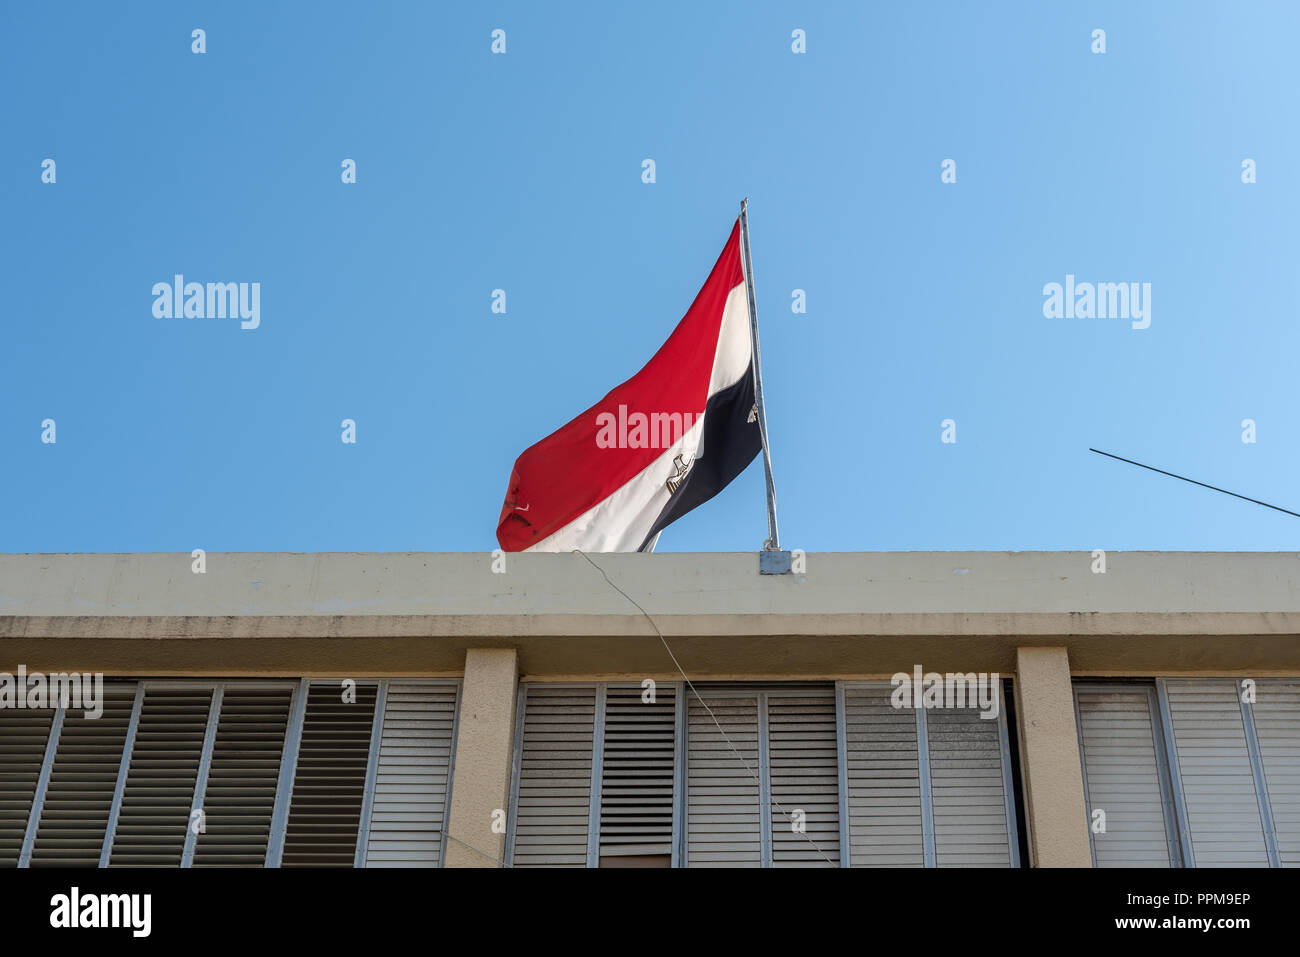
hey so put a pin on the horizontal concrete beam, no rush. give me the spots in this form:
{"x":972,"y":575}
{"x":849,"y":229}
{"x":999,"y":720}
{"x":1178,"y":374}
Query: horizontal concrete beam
{"x":637,"y":656}
{"x":853,"y":614}
{"x":1028,"y":624}
{"x":839,"y":588}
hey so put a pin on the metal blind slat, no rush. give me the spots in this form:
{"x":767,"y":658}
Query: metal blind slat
{"x":161,"y":777}
{"x":240,"y":794}
{"x":1217,"y":780}
{"x":330,"y":779}
{"x":410,"y":801}
{"x":74,"y":817}
{"x":723,"y":817}
{"x":636,"y":801}
{"x":966,"y":786}
{"x":1120,"y":760}
{"x":804,"y":770}
{"x":24,"y":734}
{"x":553,"y":807}
{"x":1277,"y":725}
{"x":884,"y":779}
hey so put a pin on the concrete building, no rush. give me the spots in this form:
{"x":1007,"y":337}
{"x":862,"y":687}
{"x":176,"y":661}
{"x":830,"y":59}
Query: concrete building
{"x":464,"y":711}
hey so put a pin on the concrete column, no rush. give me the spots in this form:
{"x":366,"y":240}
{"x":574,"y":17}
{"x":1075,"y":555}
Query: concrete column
{"x":1049,"y":760}
{"x":484,"y":744}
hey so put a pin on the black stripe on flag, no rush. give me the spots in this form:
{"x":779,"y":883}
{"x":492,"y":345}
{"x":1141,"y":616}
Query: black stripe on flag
{"x":729,"y":443}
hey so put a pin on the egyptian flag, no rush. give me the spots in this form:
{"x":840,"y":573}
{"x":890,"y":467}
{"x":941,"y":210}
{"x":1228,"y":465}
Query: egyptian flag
{"x":666,"y":440}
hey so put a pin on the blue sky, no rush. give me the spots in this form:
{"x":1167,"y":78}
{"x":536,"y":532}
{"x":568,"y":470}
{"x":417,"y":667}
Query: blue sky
{"x":523,"y":172}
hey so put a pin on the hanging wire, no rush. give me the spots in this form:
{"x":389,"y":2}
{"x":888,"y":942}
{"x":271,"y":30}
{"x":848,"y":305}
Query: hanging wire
{"x":687,"y":680}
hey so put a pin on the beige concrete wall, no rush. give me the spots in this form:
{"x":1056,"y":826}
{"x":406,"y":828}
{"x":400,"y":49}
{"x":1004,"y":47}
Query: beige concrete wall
{"x":1055,"y":810}
{"x":484,"y":751}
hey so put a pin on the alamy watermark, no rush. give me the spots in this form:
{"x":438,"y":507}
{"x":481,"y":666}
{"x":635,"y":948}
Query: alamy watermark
{"x":67,"y":690}
{"x":179,"y":299}
{"x":74,"y":909}
{"x":657,"y":430}
{"x":932,"y":690}
{"x":1102,"y":300}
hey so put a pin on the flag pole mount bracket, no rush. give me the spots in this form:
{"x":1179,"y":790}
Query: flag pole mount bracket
{"x":774,"y":562}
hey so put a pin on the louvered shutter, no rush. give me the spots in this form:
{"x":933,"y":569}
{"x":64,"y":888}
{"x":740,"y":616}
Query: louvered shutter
{"x":884,"y":781}
{"x":636,"y":800}
{"x":963,"y":818}
{"x":553,"y":806}
{"x":74,"y":816}
{"x":1118,"y":737}
{"x":24,"y":735}
{"x":1216,"y":777}
{"x":804,"y":772}
{"x":161,"y":777}
{"x":240,"y":795}
{"x":410,"y":798}
{"x":1277,"y":726}
{"x":723,"y":813}
{"x":330,"y":777}
{"x":966,"y":784}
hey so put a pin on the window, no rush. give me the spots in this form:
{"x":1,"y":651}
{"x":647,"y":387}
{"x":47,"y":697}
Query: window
{"x":790,"y":774}
{"x":927,"y":786}
{"x":1191,"y":772}
{"x":1122,"y":755}
{"x":231,"y":773}
{"x":773,"y":801}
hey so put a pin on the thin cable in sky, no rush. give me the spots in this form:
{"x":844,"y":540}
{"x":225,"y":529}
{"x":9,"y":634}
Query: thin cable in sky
{"x":1194,"y":482}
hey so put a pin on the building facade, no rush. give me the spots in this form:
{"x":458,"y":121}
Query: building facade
{"x":926,"y":709}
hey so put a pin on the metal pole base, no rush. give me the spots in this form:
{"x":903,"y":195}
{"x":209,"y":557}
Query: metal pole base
{"x":774,"y":563}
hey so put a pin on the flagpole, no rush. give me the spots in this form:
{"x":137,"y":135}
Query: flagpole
{"x":773,"y":543}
